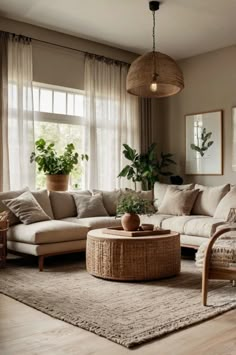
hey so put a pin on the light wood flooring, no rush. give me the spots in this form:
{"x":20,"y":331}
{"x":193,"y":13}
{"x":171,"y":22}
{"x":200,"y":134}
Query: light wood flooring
{"x":26,"y":331}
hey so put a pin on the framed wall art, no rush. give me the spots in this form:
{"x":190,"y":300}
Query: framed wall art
{"x":204,"y":143}
{"x":234,"y":138}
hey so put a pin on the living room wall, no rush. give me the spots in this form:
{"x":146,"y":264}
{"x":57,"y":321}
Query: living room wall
{"x":210,"y":84}
{"x":65,"y":67}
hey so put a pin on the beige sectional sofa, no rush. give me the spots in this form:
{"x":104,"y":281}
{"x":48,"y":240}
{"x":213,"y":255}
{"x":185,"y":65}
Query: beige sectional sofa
{"x":64,"y":232}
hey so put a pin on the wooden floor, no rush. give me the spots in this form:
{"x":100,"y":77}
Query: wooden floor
{"x":26,"y":331}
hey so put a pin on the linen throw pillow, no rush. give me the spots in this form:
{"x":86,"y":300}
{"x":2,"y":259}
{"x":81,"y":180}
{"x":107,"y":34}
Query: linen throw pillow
{"x":227,"y":202}
{"x":63,"y":204}
{"x":110,"y":199}
{"x":160,"y":190}
{"x":178,"y":202}
{"x":208,"y":199}
{"x":26,"y":208}
{"x":9,"y":195}
{"x":89,"y":206}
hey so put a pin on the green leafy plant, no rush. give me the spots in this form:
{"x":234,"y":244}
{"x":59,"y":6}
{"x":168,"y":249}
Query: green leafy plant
{"x":50,"y":162}
{"x":204,"y":145}
{"x":146,"y":168}
{"x":132,"y":203}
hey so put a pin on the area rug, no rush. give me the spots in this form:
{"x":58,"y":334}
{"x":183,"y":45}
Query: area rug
{"x":125,"y":313}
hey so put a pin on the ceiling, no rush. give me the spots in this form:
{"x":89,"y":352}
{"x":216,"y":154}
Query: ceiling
{"x":184,"y":27}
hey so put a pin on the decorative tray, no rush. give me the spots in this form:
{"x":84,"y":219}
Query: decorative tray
{"x":139,"y":233}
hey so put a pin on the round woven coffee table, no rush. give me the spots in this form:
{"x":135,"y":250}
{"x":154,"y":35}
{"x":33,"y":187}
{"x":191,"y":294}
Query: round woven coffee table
{"x":114,"y":257}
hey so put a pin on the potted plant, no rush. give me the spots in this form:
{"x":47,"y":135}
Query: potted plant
{"x":130,"y":206}
{"x":56,"y":167}
{"x":145,"y":168}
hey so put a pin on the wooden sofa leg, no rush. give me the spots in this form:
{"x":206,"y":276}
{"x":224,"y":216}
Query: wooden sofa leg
{"x":41,"y":262}
{"x":204,"y":288}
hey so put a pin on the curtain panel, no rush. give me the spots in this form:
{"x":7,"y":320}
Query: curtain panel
{"x":20,"y":112}
{"x":4,"y":162}
{"x":112,"y":119}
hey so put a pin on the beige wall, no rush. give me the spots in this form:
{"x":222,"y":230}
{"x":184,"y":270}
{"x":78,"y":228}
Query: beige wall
{"x":57,"y":65}
{"x":210,"y":84}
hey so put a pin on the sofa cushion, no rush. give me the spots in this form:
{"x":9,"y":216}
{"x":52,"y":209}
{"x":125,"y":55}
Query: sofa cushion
{"x":178,"y":202}
{"x":208,"y":199}
{"x":176,"y":223}
{"x":198,"y":226}
{"x":63,"y":204}
{"x":110,"y":199}
{"x":227,"y":202}
{"x":89,"y":206}
{"x":202,"y":226}
{"x":95,"y":222}
{"x":160,"y":190}
{"x":9,"y":195}
{"x":43,"y":199}
{"x":47,"y":232}
{"x":155,"y":219}
{"x":26,"y":208}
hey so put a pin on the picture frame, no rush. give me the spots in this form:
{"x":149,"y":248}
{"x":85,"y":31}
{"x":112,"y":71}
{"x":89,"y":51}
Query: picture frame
{"x":204,"y":143}
{"x":233,"y":138}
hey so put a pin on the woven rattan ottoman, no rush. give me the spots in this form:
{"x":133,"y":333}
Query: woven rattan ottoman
{"x":132,"y":258}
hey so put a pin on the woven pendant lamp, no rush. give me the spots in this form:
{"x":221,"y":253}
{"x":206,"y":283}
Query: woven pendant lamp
{"x":154,"y":74}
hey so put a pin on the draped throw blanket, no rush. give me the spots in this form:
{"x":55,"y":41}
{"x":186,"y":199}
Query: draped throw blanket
{"x":112,"y":119}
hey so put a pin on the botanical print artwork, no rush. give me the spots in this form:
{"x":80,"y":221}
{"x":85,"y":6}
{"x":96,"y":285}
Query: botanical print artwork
{"x":202,"y":139}
{"x":204,"y":143}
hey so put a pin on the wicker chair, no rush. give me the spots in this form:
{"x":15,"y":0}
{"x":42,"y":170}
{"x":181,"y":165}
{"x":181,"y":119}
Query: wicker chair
{"x":224,"y":266}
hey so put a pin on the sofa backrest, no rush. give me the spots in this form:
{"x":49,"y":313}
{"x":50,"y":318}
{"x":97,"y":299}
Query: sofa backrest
{"x":63,"y":204}
{"x":41,"y":196}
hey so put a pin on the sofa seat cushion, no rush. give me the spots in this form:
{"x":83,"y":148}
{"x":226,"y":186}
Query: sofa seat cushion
{"x":47,"y":232}
{"x":176,"y":223}
{"x":95,"y":222}
{"x":223,"y":252}
{"x":155,"y":219}
{"x":202,"y":226}
{"x":199,"y":226}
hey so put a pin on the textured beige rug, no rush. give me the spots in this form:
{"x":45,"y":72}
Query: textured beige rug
{"x":126,"y":313}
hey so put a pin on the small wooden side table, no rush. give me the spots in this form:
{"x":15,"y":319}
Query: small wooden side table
{"x":4,"y":225}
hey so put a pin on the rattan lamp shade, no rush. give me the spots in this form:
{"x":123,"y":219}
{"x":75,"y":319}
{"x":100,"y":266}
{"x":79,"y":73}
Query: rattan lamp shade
{"x":170,"y":77}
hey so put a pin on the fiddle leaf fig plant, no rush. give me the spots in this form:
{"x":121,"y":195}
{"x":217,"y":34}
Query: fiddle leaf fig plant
{"x":50,"y":162}
{"x":146,"y":168}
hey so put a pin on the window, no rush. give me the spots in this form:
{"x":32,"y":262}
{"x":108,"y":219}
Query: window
{"x":59,"y":118}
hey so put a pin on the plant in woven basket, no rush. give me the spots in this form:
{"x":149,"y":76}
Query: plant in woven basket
{"x":129,"y":207}
{"x":56,"y":167}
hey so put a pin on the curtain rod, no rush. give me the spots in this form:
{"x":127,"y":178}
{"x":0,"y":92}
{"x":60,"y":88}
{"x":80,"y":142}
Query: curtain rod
{"x":70,"y":48}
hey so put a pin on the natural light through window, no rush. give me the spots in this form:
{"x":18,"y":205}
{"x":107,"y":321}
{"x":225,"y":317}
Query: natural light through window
{"x":59,"y":118}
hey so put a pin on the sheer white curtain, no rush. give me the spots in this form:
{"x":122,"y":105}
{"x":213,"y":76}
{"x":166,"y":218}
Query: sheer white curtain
{"x":112,"y":118}
{"x":4,"y":163}
{"x":20,"y":113}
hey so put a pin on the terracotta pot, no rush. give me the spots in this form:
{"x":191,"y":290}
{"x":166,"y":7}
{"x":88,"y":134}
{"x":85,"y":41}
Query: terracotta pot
{"x":57,"y":182}
{"x":130,"y":221}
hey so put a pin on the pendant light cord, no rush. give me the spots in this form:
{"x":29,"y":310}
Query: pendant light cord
{"x":153,"y":31}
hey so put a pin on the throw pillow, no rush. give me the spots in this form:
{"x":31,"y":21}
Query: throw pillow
{"x":160,"y":190}
{"x":42,"y":198}
{"x":227,"y":202}
{"x":110,"y":199}
{"x":178,"y":202}
{"x":89,"y":206}
{"x":26,"y":208}
{"x":63,"y":204}
{"x":208,"y":199}
{"x":9,"y":195}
